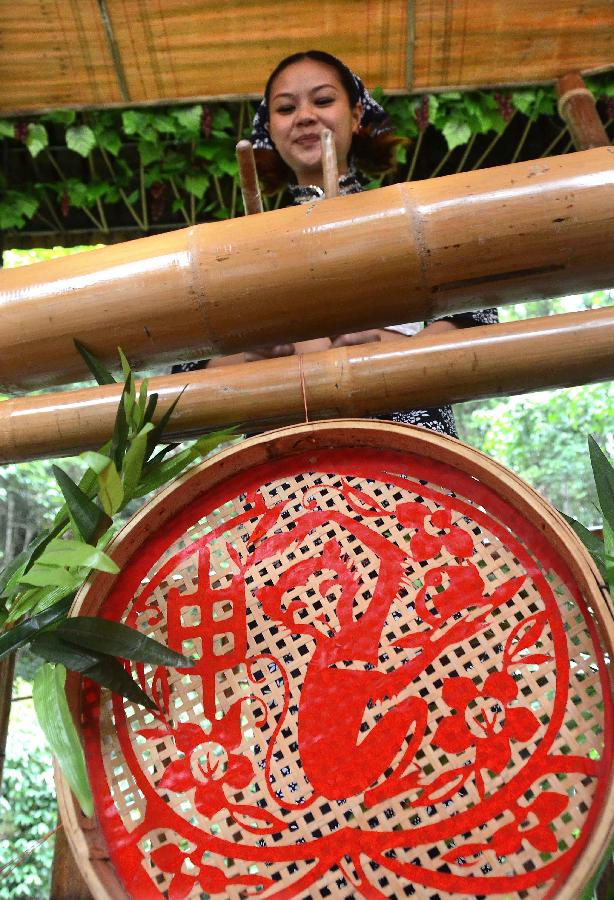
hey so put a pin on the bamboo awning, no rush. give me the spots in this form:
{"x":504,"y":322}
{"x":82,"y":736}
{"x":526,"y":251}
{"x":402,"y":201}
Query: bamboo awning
{"x":96,"y":53}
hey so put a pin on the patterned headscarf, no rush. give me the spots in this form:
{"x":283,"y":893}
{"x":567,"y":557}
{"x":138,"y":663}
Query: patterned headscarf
{"x":374,"y":117}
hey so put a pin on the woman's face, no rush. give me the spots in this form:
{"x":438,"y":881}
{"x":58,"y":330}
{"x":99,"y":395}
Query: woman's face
{"x":305,"y":98}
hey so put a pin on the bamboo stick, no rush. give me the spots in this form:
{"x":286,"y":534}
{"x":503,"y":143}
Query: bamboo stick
{"x":577,"y":108}
{"x":493,"y":360}
{"x":248,"y":176}
{"x":330,"y":169}
{"x":396,"y":254}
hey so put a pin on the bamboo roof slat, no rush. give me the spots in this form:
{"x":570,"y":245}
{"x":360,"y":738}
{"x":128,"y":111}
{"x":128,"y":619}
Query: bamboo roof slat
{"x":87,"y":53}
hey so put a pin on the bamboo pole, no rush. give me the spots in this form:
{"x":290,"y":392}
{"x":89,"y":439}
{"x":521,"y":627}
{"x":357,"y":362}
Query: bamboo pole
{"x":577,"y":109}
{"x":330,"y":170}
{"x":493,"y":360}
{"x":248,"y":176}
{"x":396,"y":254}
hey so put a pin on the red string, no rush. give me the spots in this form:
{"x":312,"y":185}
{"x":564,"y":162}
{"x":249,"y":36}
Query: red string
{"x":301,"y":374}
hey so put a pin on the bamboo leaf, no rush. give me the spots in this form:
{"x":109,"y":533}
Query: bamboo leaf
{"x":120,"y":640}
{"x":100,"y":373}
{"x":158,"y":475}
{"x":592,"y":543}
{"x":158,"y":430}
{"x":87,"y":516}
{"x":603,"y":473}
{"x":98,"y":666}
{"x":120,"y":430}
{"x":134,"y":459}
{"x":41,"y":575}
{"x":24,"y":632}
{"x":56,"y":722}
{"x":36,"y":599}
{"x":111,"y":490}
{"x":76,"y":554}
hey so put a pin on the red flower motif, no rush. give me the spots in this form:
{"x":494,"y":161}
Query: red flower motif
{"x":426,"y":544}
{"x":171,"y":859}
{"x":484,"y":720}
{"x":206,"y":765}
{"x":545,"y":808}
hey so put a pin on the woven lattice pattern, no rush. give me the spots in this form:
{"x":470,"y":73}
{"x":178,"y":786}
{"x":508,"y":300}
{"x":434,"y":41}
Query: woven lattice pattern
{"x":394,"y":694}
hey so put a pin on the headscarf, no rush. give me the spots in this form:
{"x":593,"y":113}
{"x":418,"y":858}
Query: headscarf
{"x":374,"y":117}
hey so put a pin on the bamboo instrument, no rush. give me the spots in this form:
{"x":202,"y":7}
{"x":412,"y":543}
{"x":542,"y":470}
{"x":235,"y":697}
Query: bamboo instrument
{"x":397,"y":254}
{"x":554,"y":351}
{"x":250,"y":188}
{"x":330,"y":170}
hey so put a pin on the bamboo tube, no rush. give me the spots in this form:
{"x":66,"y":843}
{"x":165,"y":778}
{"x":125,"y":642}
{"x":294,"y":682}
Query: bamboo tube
{"x":330,"y":169}
{"x":396,"y":254}
{"x":493,"y":360}
{"x":577,"y":108}
{"x":248,"y":176}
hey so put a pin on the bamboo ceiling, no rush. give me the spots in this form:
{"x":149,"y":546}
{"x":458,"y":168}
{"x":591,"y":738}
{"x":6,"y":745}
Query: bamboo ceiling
{"x":73,"y":53}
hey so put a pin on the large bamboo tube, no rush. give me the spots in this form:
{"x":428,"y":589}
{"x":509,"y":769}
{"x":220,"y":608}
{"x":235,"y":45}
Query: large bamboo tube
{"x":397,"y":254}
{"x":555,"y":351}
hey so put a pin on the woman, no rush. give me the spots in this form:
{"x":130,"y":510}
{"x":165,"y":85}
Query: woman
{"x":306,"y":93}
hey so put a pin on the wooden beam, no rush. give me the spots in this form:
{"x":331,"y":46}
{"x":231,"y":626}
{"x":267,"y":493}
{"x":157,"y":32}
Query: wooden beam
{"x":490,"y":361}
{"x":397,"y":254}
{"x":577,"y":108}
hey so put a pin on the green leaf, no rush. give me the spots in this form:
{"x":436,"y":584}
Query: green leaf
{"x":72,"y":553}
{"x":102,"y":375}
{"x":221,"y":119}
{"x":56,"y":722}
{"x":189,"y":117}
{"x":197,"y":183}
{"x":111,"y":490}
{"x":149,"y":151}
{"x":37,"y":138}
{"x":41,"y":575}
{"x":117,"y":639}
{"x":592,"y":543}
{"x":7,"y":128}
{"x":163,"y":472}
{"x":456,"y":133}
{"x":524,"y":101}
{"x":60,"y":116}
{"x":109,"y":140}
{"x":608,"y":534}
{"x":120,"y":429}
{"x":26,"y":631}
{"x":97,"y":665}
{"x":603,"y":473}
{"x":158,"y":430}
{"x":37,"y":599}
{"x":87,"y":516}
{"x":134,"y":459}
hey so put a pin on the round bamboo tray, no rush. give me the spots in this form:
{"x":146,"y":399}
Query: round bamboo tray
{"x":401,"y":682}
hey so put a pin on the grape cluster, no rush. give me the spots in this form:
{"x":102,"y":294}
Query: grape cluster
{"x":206,"y":120}
{"x":504,"y":103}
{"x":157,"y":200}
{"x":422,"y":113}
{"x":21,"y":131}
{"x":65,"y":205}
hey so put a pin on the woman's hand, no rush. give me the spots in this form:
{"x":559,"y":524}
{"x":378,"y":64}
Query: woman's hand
{"x":272,"y":352}
{"x":371,"y":336}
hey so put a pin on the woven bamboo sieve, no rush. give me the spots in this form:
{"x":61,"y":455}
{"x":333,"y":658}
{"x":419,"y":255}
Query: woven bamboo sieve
{"x":401,"y":685}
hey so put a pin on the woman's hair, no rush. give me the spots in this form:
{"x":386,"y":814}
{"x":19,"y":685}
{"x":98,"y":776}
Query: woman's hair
{"x":373,"y":154}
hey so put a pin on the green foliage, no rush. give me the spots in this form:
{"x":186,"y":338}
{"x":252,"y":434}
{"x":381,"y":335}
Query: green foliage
{"x":181,"y":159}
{"x":27,"y":807}
{"x":37,"y":588}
